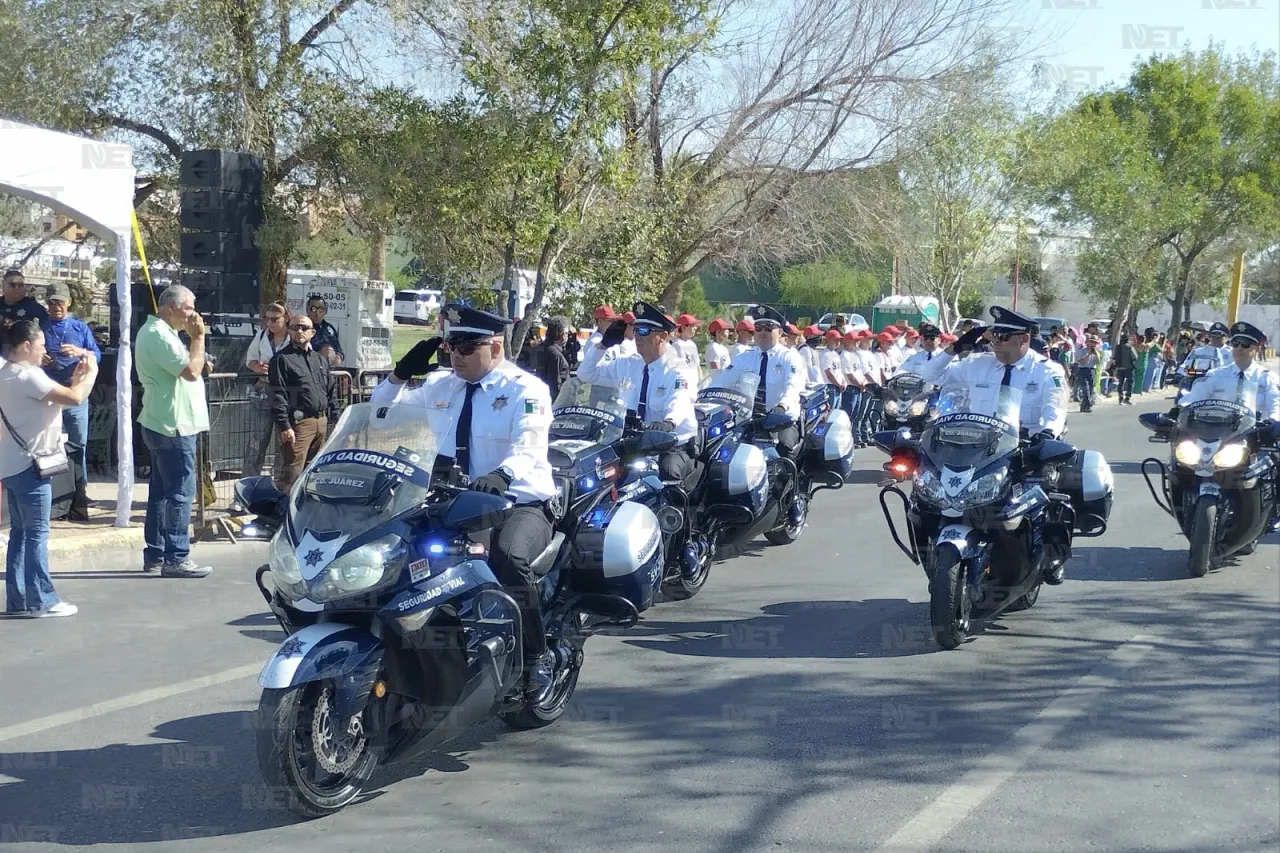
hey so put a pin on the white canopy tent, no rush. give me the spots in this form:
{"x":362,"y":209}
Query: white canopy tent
{"x":91,"y":182}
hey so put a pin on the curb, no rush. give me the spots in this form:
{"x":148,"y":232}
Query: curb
{"x":87,"y":549}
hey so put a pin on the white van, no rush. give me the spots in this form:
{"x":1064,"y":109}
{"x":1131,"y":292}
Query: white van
{"x":417,"y":306}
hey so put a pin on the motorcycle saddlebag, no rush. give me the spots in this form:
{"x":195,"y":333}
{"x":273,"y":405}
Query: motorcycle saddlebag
{"x":812,"y":402}
{"x":620,"y":553}
{"x":829,"y":447}
{"x":1087,"y":478}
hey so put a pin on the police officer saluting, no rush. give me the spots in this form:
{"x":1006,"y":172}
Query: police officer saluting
{"x":782,"y":372}
{"x":500,"y":418}
{"x":652,"y":381}
{"x":1010,"y":363}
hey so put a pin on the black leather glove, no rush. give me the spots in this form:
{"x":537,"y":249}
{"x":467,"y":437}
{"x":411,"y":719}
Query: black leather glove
{"x":416,"y":361}
{"x":664,"y":426}
{"x":495,"y":483}
{"x":614,"y":335}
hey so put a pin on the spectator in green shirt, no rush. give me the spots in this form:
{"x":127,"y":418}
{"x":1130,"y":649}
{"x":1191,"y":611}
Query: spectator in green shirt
{"x":174,"y":411}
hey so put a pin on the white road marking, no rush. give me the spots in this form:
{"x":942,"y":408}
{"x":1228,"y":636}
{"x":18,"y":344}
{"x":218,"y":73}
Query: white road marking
{"x":121,"y":703}
{"x":932,"y":823}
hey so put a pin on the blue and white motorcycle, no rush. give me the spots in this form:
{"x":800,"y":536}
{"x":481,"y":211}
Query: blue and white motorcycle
{"x":400,"y":636}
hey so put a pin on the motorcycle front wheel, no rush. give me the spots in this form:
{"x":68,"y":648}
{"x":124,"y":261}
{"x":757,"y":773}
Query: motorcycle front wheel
{"x":318,"y":764}
{"x":949,"y":602}
{"x":1204,"y":524}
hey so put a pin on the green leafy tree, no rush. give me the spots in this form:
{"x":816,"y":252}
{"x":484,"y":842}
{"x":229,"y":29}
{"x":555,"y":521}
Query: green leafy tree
{"x":828,"y":283}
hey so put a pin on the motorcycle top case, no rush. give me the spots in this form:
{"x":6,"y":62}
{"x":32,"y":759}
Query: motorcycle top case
{"x":1087,"y":478}
{"x":620,"y":553}
{"x":829,"y":446}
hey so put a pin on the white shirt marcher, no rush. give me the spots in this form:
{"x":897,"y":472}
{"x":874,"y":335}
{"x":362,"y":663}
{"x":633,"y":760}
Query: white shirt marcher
{"x":1223,"y":383}
{"x":785,"y":382}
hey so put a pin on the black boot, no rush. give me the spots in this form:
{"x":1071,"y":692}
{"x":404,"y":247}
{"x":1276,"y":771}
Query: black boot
{"x":539,"y":664}
{"x":542,"y":677}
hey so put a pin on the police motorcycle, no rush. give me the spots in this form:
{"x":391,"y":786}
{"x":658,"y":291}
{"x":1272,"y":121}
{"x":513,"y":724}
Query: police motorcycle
{"x":1220,"y":483}
{"x":607,"y":467}
{"x":907,"y":399}
{"x":1191,"y":371}
{"x":400,"y":636}
{"x":745,"y":487}
{"x":991,"y":513}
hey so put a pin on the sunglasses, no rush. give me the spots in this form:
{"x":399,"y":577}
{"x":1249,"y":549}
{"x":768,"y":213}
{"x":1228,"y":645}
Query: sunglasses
{"x":1242,"y":344}
{"x":766,"y":326}
{"x":644,"y":331}
{"x":1006,"y":336}
{"x":468,"y":348}
{"x":299,"y":327}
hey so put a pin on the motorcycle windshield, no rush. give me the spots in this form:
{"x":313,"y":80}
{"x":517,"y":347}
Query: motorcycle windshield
{"x":1199,"y":365}
{"x":970,"y":431}
{"x":733,"y":388}
{"x":377,"y":465}
{"x":587,"y":412}
{"x":906,"y":387}
{"x":1217,"y":420}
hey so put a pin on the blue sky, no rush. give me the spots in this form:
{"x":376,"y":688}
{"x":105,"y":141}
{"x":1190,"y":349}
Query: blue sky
{"x":1088,"y":43}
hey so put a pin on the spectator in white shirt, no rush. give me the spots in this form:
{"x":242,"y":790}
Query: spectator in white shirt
{"x":273,"y":337}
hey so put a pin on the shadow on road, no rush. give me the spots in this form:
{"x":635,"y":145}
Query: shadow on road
{"x":1127,"y":564}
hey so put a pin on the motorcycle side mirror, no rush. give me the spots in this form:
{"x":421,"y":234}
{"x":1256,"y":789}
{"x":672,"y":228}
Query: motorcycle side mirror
{"x":655,"y":441}
{"x":1159,"y":423}
{"x":471,"y":512}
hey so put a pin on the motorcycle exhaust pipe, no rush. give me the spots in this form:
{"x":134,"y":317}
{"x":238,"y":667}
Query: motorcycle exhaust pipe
{"x":670,"y":520}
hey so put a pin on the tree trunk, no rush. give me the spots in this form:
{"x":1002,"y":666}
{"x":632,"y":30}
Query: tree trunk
{"x":672,"y":293}
{"x":1123,"y":306}
{"x":1180,"y":300}
{"x":508,"y":284}
{"x":377,"y":254}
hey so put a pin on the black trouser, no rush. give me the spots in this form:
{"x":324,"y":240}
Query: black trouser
{"x":514,"y":547}
{"x":1124,"y":375}
{"x":675,"y":464}
{"x":788,"y":440}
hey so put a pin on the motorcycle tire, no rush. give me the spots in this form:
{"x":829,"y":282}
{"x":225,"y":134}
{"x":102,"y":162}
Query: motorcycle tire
{"x":287,"y":740}
{"x":949,"y":602}
{"x":531,"y":716}
{"x":1027,"y":601}
{"x":1204,"y":524}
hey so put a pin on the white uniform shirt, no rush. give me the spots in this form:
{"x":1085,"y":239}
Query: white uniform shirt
{"x":717,"y":356}
{"x":1220,"y":355}
{"x":915,"y":363}
{"x":687,"y":351}
{"x":832,"y":360}
{"x":810,"y":357}
{"x":1043,"y":386}
{"x":1223,"y":383}
{"x":510,"y":423}
{"x":738,"y":349}
{"x":670,"y":396}
{"x":870,"y":366}
{"x":852,"y":367}
{"x":784,"y":383}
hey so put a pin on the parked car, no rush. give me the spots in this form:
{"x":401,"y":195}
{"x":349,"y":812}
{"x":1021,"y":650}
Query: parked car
{"x":856,"y":321}
{"x":417,"y":306}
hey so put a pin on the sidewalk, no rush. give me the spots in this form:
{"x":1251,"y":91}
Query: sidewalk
{"x":84,"y":543}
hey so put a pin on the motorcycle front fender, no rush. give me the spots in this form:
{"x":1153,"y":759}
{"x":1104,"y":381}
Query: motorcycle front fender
{"x":328,"y":651}
{"x":959,"y":537}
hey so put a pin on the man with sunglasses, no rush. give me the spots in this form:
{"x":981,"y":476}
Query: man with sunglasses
{"x":929,"y":334}
{"x":304,"y":400}
{"x":500,"y":422}
{"x":1214,"y":346}
{"x":653,"y":383}
{"x":16,"y":304}
{"x":782,"y":373}
{"x":1227,"y":383}
{"x":1012,"y":363}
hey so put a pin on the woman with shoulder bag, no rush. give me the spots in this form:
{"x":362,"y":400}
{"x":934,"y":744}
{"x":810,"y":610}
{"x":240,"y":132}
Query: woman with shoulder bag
{"x":32,"y":451}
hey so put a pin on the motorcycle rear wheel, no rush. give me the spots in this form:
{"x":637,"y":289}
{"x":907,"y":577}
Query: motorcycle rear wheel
{"x":296,"y":738}
{"x":1204,"y":524}
{"x":789,"y":533}
{"x":949,"y":602}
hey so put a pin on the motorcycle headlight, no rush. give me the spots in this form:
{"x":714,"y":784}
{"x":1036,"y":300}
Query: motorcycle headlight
{"x":285,"y":575}
{"x":1231,"y":455}
{"x":918,"y":408}
{"x":984,"y":490}
{"x":891,"y":407}
{"x":1188,"y":453}
{"x":929,"y":487}
{"x":360,"y":569}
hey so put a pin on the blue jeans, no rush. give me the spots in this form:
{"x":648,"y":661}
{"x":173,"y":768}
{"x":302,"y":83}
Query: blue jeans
{"x":28,"y":586}
{"x":170,"y":492}
{"x":1084,"y":382}
{"x":75,"y":422}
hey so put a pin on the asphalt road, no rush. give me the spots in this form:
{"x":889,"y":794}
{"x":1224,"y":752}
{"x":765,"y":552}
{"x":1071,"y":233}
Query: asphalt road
{"x":797,"y":704}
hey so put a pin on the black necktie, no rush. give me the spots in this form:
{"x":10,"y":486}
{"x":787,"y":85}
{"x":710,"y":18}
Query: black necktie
{"x":462,"y":437}
{"x":642,"y":405}
{"x":1008,"y":374}
{"x":764,"y":370}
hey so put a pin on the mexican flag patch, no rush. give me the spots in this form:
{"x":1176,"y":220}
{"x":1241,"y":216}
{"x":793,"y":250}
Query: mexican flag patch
{"x":1057,"y":382}
{"x":533,"y":407}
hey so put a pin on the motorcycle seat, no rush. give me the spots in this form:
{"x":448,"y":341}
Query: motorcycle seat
{"x":547,"y":559}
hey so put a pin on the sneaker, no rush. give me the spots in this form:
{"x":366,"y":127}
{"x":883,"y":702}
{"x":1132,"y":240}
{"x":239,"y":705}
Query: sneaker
{"x":153,"y":566}
{"x":62,"y":608}
{"x":185,"y":569}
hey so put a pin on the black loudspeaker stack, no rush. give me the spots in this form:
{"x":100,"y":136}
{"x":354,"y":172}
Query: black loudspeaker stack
{"x":221,"y":209}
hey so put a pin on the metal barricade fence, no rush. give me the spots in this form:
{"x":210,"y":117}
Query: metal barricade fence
{"x":239,"y":420}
